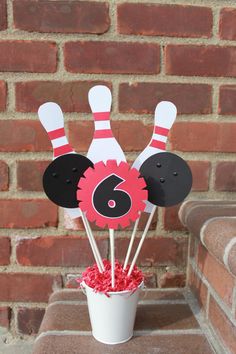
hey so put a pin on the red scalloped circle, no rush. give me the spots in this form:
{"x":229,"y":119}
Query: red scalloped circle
{"x":133,"y":185}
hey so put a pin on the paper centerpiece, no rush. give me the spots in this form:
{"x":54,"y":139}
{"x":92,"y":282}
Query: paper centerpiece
{"x":102,"y":188}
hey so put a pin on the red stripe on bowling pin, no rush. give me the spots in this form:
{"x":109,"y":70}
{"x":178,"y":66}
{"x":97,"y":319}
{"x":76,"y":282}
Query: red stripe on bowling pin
{"x":159,"y":132}
{"x":58,"y":133}
{"x":103,"y":134}
{"x":102,"y":125}
{"x":158,"y":144}
{"x":59,"y":142}
{"x":97,"y":116}
{"x":62,"y":150}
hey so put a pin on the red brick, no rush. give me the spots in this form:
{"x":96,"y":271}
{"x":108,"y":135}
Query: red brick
{"x":227,"y":26}
{"x":199,"y":60}
{"x":164,"y":20}
{"x":29,"y":320}
{"x":28,"y":214}
{"x":71,"y":96}
{"x":227,"y":100}
{"x":112,"y":57}
{"x":217,"y":275}
{"x":142,"y":97}
{"x":4,"y":173}
{"x":155,"y":251}
{"x":61,"y":16}
{"x":171,"y":220}
{"x":150,"y":280}
{"x":5,"y":250}
{"x":225,"y":176}
{"x":172,"y":280}
{"x":28,"y":135}
{"x":3,"y":94}
{"x":198,"y":287}
{"x":28,"y":56}
{"x":3,"y":15}
{"x":24,"y":287}
{"x":200,"y":137}
{"x":65,"y":251}
{"x":201,"y":174}
{"x":81,"y":133}
{"x":4,"y":317}
{"x":29,"y":175}
{"x":217,"y":235}
{"x":222,"y":325}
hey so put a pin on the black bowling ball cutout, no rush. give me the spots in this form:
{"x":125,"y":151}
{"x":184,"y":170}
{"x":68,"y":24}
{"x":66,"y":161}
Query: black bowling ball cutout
{"x":168,"y":178}
{"x":61,"y":177}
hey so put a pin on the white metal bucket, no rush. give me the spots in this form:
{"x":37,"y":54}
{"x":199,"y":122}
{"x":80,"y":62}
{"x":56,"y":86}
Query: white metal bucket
{"x":112,"y":318}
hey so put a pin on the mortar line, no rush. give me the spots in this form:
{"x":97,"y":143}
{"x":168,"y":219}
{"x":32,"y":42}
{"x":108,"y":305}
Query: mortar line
{"x":199,"y":315}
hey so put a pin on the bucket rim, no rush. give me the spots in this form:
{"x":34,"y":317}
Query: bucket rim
{"x":83,"y":284}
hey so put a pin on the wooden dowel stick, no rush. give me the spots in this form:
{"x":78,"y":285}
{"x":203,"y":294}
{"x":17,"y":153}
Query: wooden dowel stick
{"x":92,"y":242}
{"x":95,"y":245}
{"x":112,"y":248}
{"x":131,"y":243}
{"x":142,"y":240}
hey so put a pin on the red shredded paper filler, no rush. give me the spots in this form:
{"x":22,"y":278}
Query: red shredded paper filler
{"x":101,"y":282}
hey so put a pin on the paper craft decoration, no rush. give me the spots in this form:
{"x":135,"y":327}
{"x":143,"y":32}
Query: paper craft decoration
{"x":51,"y":118}
{"x":112,"y":194}
{"x":165,"y":115}
{"x":168,"y":178}
{"x":103,"y":146}
{"x":61,"y":178}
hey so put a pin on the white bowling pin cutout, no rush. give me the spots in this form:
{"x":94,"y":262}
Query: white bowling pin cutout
{"x":165,"y":115}
{"x":103,"y":146}
{"x":51,"y":118}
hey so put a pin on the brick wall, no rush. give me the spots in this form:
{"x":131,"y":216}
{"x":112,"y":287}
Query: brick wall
{"x":212,"y":281}
{"x":57,"y":50}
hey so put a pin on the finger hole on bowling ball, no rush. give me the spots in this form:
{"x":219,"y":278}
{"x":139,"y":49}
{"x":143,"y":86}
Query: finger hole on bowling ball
{"x":74,"y":169}
{"x":55,"y":175}
{"x":175,"y":174}
{"x":162,"y":180}
{"x":158,"y":164}
{"x":68,"y":181}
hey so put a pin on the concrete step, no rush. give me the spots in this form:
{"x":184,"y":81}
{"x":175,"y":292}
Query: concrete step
{"x":165,"y":323}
